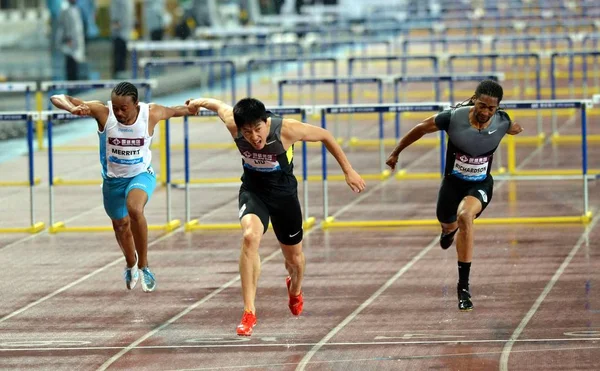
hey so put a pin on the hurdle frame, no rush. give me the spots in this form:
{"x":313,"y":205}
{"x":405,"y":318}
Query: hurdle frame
{"x":148,"y":63}
{"x":330,"y":222}
{"x":56,"y":227}
{"x":300,"y":61}
{"x":336,"y":81}
{"x":135,"y":47}
{"x":539,"y":138}
{"x":28,"y":117}
{"x":51,"y":87}
{"x":27,"y":87}
{"x":556,"y":136}
{"x":192,"y":225}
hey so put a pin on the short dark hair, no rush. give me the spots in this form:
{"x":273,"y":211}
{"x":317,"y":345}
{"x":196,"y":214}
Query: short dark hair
{"x":486,"y":87}
{"x":124,"y":89}
{"x":249,"y":111}
{"x":491,"y":88}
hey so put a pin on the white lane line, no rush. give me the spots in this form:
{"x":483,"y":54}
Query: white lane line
{"x":365,"y":304}
{"x":214,"y":293}
{"x":248,"y":343}
{"x":515,"y":335}
{"x":74,"y":283}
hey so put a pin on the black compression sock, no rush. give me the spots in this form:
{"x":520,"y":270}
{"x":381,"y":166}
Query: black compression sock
{"x":463,"y":274}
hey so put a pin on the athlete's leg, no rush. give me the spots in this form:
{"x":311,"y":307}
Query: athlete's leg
{"x":138,"y":192}
{"x":113,"y":191}
{"x":286,"y":216}
{"x":252,"y":231}
{"x":125,"y":239}
{"x":295,"y":264}
{"x":467,"y":210}
{"x":449,"y":197}
{"x":136,"y":200}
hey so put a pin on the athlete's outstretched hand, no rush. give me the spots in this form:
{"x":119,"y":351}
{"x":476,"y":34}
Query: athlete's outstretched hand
{"x":81,"y":110}
{"x":192,"y":108}
{"x":391,"y":161}
{"x":514,"y":129}
{"x":355,"y":181}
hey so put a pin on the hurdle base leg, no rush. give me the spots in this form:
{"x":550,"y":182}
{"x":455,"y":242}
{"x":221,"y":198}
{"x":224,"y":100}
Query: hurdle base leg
{"x":36,"y":228}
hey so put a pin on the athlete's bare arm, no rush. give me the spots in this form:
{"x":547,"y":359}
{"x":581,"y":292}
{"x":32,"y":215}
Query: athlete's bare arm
{"x":425,"y":127}
{"x":76,"y":106}
{"x":224,"y":110}
{"x":159,"y":113}
{"x":514,"y":129}
{"x":293,"y":131}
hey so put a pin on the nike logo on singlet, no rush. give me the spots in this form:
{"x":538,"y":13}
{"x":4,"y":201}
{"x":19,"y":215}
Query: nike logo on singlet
{"x":492,"y":132}
{"x":271,"y":142}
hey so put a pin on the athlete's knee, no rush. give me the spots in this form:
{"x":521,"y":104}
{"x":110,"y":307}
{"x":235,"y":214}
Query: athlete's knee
{"x":135,"y":210}
{"x":465,"y":219}
{"x":121,"y":226}
{"x":252,"y":237}
{"x":295,"y":259}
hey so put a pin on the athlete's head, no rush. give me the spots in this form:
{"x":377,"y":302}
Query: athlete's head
{"x":250,"y":118}
{"x":486,"y":100}
{"x":124,"y":98}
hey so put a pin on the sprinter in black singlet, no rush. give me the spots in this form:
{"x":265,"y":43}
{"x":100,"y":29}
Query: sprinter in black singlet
{"x":269,"y":190}
{"x":475,"y":130}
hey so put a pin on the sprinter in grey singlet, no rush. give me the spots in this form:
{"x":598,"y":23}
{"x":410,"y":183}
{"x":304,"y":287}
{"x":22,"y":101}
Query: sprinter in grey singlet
{"x":475,"y":130}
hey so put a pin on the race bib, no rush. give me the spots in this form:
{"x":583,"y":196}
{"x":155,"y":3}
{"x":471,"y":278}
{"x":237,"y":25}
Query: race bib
{"x":470,"y":168}
{"x":264,"y":162}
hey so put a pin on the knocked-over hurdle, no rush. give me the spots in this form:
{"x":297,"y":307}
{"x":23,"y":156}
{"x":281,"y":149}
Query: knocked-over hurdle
{"x":34,"y":226}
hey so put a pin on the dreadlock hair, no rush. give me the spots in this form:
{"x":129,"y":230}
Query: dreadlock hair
{"x":124,"y":89}
{"x":249,"y":111}
{"x":486,"y":87}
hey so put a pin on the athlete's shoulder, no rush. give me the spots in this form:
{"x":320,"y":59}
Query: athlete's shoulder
{"x":503,"y":115}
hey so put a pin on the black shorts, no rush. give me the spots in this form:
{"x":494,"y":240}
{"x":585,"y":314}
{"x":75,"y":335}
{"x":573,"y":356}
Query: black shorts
{"x":284,"y":211}
{"x":452,"y":192}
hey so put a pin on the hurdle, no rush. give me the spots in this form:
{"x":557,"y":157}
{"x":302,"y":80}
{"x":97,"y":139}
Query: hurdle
{"x":525,"y":41}
{"x":404,"y":59}
{"x":59,"y":226}
{"x":147,"y":64}
{"x":34,"y":227}
{"x":335,"y":81}
{"x":136,"y":47}
{"x":27,"y":88}
{"x":191,"y":225}
{"x":51,"y":87}
{"x":539,"y":138}
{"x":445,"y":41}
{"x":255,"y":62}
{"x":582,"y":106}
{"x":556,"y":136}
{"x":330,"y":222}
